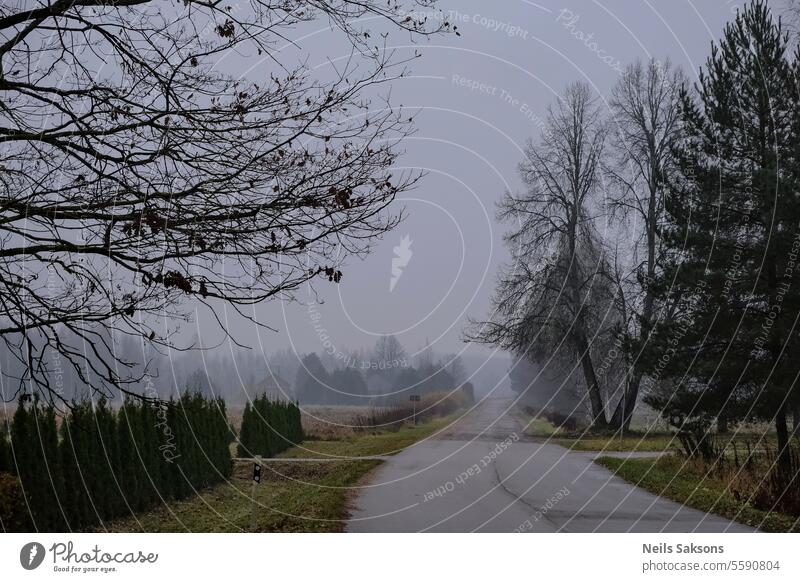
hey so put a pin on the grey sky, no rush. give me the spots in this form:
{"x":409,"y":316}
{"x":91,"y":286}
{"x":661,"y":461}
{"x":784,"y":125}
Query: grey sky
{"x":480,"y":96}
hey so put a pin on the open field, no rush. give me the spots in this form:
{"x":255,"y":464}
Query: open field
{"x":331,"y":422}
{"x":292,"y":497}
{"x":379,"y":444}
{"x":536,"y":426}
{"x":724,"y":491}
{"x":323,"y":421}
{"x":757,"y":437}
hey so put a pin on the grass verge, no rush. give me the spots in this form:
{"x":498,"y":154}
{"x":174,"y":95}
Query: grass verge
{"x":292,"y":496}
{"x":650,"y":443}
{"x":534,"y":426}
{"x":660,"y":442}
{"x":690,"y":483}
{"x":371,"y":444}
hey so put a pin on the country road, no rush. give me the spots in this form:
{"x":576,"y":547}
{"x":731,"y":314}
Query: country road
{"x":481,"y":474}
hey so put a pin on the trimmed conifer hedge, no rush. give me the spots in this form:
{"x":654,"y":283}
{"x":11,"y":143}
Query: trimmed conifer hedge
{"x":269,"y":427}
{"x":102,"y":463}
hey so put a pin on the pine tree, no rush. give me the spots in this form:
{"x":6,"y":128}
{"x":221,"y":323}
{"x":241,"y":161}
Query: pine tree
{"x":724,"y":348}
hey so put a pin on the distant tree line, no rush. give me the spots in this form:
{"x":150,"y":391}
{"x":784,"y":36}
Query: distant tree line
{"x":380,"y":377}
{"x":269,"y":427}
{"x":656,"y":250}
{"x":315,"y":385}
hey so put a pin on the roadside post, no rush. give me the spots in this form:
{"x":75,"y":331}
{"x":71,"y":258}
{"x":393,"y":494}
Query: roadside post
{"x":256,"y":480}
{"x":414,"y":398}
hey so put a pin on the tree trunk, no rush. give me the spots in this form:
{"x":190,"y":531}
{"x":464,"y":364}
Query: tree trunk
{"x":593,"y":387}
{"x":796,"y":421}
{"x":621,"y":419}
{"x":782,"y":430}
{"x":722,"y":424}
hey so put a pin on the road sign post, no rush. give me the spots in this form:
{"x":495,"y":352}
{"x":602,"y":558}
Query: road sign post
{"x":256,"y":480}
{"x":414,"y":398}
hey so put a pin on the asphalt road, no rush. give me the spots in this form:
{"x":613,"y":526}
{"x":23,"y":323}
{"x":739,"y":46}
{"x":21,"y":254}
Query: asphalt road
{"x":482,"y":475}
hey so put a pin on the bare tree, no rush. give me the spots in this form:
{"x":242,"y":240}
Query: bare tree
{"x":553,"y":297}
{"x":455,"y":366}
{"x":791,"y":17}
{"x":645,"y":125}
{"x":136,"y":173}
{"x":388,"y":352}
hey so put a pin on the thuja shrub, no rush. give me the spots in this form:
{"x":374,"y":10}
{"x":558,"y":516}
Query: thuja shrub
{"x":269,"y":427}
{"x":97,"y":462}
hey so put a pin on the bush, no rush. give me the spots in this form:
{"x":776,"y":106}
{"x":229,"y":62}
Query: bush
{"x":269,"y":427}
{"x":389,"y":418}
{"x":393,"y":417}
{"x":560,"y":420}
{"x":438,"y":404}
{"x":780,"y":489}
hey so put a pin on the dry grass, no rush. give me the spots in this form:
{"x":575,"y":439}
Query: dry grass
{"x":322,"y":422}
{"x":331,"y":422}
{"x":342,"y":422}
{"x":733,"y":486}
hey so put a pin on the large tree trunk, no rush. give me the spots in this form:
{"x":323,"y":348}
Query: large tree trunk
{"x":593,"y":387}
{"x":782,"y":430}
{"x":621,"y":419}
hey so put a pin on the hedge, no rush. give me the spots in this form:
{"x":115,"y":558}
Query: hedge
{"x":102,"y":463}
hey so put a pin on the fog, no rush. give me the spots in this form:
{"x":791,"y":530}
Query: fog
{"x":478,"y":97}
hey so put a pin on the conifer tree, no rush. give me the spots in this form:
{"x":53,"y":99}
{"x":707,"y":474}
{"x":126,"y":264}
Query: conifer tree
{"x":730,"y":285}
{"x":6,"y":461}
{"x":128,"y":465}
{"x":35,"y":449}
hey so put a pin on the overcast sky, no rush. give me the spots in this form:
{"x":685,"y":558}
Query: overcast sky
{"x":480,"y":97}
